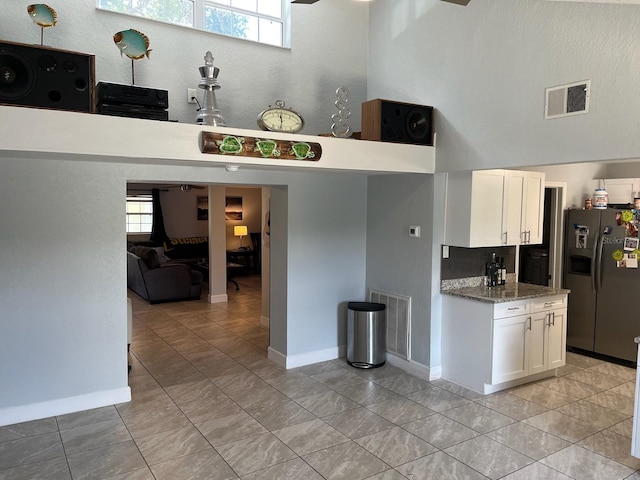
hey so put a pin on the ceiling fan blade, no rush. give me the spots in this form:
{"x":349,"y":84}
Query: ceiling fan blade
{"x":306,"y":2}
{"x":458,"y":2}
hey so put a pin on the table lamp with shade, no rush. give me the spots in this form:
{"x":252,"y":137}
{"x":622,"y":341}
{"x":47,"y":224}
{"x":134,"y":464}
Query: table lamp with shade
{"x":240,"y":231}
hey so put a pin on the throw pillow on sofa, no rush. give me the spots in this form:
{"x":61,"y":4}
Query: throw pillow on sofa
{"x":148,"y":255}
{"x":187,"y":247}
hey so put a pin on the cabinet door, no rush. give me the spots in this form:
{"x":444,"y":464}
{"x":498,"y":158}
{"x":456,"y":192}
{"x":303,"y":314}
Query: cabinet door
{"x":514,"y":206}
{"x":510,"y":353}
{"x":557,"y":339}
{"x":486,"y":211}
{"x":537,"y":342}
{"x":533,"y":208}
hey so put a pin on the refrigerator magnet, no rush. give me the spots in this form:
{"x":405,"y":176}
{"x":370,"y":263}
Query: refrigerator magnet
{"x":631,"y":243}
{"x":617,"y":255}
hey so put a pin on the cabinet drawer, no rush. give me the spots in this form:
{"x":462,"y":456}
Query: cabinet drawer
{"x":549,"y":303}
{"x":511,"y":309}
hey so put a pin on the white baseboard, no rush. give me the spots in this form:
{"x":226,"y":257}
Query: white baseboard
{"x":222,"y":298}
{"x":309,"y":358}
{"x":264,"y":321}
{"x":417,"y":369}
{"x":62,"y":406}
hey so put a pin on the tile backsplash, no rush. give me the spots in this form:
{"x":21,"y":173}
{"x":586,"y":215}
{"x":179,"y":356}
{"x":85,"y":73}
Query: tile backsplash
{"x":470,"y":262}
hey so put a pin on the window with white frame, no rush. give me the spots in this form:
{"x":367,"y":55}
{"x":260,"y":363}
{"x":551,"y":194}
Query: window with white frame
{"x":263,"y":21}
{"x":139,"y":214}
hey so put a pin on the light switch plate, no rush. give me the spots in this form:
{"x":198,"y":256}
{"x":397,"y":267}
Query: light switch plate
{"x":414,"y":231}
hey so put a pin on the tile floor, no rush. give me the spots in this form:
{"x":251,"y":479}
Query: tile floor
{"x":207,"y":404}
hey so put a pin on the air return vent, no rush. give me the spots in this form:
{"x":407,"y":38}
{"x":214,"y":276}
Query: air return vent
{"x":567,"y":100}
{"x":398,"y":314}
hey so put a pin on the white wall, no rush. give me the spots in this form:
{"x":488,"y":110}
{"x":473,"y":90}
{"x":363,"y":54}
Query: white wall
{"x":252,"y":76}
{"x":485,"y":67}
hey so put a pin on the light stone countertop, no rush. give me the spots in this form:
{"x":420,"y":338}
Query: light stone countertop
{"x":510,"y":292}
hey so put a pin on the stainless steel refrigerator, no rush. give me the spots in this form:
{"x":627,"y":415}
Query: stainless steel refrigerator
{"x":603,"y":314}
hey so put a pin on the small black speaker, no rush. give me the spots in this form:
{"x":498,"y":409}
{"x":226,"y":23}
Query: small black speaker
{"x":386,"y":121}
{"x":36,"y":76}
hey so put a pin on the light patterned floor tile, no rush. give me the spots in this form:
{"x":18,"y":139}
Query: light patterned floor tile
{"x":400,"y":410}
{"x":99,"y":434}
{"x":255,"y":453}
{"x":169,"y":445}
{"x":358,"y":423}
{"x":346,"y":461}
{"x":229,"y":429}
{"x":54,"y":469}
{"x":325,"y":404}
{"x":542,"y":396}
{"x":512,"y":405}
{"x":308,"y":437}
{"x":30,"y":450}
{"x":441,"y":466}
{"x":295,"y":469}
{"x":440,"y":431}
{"x":612,"y":445}
{"x":561,"y":425}
{"x":205,"y":465}
{"x":593,"y":414}
{"x":536,"y":471}
{"x":613,"y":401}
{"x":478,"y":418}
{"x":280,"y":415}
{"x":583,"y":464}
{"x":528,"y":440}
{"x":437,"y":399}
{"x":106,"y":461}
{"x":488,"y":457}
{"x":396,"y":446}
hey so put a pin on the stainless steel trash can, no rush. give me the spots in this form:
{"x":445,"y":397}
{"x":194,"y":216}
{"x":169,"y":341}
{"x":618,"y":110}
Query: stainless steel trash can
{"x":366,"y":334}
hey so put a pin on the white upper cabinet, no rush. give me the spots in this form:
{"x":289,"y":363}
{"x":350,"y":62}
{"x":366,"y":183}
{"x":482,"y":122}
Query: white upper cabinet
{"x":490,"y":208}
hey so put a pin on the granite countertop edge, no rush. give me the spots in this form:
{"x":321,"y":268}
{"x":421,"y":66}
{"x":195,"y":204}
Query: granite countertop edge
{"x":508,"y":293}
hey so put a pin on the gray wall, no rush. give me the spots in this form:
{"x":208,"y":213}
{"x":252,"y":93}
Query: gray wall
{"x":63,"y":283}
{"x":485,"y":68}
{"x":397,"y":263}
{"x":252,"y":76}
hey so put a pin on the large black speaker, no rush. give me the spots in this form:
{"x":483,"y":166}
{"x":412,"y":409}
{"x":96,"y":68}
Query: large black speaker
{"x":386,"y":121}
{"x":35,"y":76}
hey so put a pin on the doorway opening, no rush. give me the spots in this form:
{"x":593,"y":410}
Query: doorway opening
{"x":542,"y":264}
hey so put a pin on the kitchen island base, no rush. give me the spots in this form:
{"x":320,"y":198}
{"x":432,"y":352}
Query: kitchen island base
{"x":491,"y":345}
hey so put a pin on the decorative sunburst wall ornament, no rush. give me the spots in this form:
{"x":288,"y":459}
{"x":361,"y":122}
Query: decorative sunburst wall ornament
{"x":44,"y":16}
{"x":133,"y":44}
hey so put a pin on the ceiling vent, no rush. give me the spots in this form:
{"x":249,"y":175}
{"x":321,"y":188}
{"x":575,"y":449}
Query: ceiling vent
{"x":567,"y":100}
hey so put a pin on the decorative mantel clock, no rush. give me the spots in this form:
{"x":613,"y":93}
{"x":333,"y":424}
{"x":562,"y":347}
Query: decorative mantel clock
{"x":278,"y":118}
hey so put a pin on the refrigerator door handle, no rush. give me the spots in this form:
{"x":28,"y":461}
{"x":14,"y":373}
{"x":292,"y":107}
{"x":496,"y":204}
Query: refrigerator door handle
{"x":594,"y":261}
{"x":599,"y":265}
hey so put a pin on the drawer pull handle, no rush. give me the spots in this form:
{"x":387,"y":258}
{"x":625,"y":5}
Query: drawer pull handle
{"x":513,"y":308}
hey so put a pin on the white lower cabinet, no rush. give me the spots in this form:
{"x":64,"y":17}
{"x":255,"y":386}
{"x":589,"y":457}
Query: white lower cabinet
{"x":528,"y":344}
{"x":526,"y":340}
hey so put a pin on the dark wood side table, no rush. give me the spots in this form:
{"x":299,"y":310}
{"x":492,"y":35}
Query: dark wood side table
{"x":247,"y":258}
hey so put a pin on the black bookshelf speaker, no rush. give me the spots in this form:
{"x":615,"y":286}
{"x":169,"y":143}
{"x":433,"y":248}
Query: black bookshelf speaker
{"x":387,"y":121}
{"x":36,"y":76}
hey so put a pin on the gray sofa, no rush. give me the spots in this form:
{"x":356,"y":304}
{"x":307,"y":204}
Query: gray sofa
{"x":160,"y":283}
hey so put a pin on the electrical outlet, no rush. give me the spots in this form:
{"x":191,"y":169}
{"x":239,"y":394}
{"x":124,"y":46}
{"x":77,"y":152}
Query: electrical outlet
{"x":191,"y":95}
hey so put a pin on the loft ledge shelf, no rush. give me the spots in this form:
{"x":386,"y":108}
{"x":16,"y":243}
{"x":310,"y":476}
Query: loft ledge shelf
{"x":57,"y":134}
